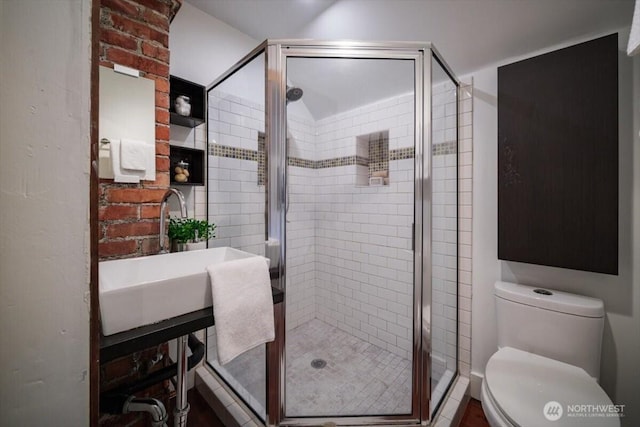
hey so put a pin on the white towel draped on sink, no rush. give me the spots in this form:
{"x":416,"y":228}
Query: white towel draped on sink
{"x":242,"y":305}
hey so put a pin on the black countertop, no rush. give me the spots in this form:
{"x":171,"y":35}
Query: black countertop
{"x":127,"y":342}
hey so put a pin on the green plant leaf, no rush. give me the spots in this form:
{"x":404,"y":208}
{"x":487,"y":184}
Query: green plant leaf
{"x":183,"y":230}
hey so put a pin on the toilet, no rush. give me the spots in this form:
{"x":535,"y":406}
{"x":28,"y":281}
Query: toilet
{"x":546,"y":369}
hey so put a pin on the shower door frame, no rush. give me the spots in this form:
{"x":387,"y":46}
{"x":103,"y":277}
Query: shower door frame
{"x":277,"y":53}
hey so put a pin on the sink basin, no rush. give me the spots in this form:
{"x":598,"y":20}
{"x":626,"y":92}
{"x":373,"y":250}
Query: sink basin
{"x":140,"y":291}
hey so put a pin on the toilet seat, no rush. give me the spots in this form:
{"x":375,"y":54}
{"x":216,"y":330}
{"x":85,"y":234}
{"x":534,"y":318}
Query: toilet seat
{"x":517,"y":386}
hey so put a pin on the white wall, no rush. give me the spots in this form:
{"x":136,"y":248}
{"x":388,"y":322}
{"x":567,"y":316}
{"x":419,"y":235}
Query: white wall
{"x":203,"y":47}
{"x":620,"y":375}
{"x":44,"y":200}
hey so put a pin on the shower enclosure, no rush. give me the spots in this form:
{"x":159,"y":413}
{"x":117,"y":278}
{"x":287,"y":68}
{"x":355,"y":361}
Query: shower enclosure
{"x":338,"y":161}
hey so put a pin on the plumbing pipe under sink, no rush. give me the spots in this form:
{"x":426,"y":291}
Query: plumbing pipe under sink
{"x":122,"y":401}
{"x":154,"y":407}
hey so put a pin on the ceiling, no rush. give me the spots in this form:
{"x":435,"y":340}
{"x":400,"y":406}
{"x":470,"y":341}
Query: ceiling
{"x":470,"y":34}
{"x":265,"y":19}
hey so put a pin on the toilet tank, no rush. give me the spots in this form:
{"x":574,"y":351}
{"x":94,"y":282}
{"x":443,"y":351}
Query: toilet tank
{"x":553,"y":324}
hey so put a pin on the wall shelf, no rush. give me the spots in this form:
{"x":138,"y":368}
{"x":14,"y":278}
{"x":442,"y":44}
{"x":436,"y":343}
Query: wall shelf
{"x":189,"y":122}
{"x":194,"y":157}
{"x":196,"y":94}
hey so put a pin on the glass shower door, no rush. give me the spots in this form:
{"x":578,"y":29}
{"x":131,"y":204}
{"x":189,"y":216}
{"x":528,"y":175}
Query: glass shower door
{"x":444,"y":233}
{"x":236,"y":201}
{"x":350,"y":287}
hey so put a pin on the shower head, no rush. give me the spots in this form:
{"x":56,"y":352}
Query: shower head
{"x":293,"y":94}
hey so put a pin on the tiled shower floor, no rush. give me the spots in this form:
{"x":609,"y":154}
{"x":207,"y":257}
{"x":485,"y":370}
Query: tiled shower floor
{"x":359,"y":378}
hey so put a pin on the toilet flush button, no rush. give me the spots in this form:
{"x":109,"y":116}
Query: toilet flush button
{"x":542,"y":292}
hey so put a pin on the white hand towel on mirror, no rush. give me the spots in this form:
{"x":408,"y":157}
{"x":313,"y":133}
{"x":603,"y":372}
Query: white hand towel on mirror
{"x":133,"y":154}
{"x":242,"y":306}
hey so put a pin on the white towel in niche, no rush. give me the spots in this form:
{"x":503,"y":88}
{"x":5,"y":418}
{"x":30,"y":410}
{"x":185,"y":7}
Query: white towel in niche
{"x":242,"y":306}
{"x":134,"y":154}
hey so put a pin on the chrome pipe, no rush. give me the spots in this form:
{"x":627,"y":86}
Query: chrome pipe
{"x":153,"y":406}
{"x":182,"y":406}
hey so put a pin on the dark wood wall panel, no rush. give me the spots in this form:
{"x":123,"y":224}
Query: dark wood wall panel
{"x":558,"y":158}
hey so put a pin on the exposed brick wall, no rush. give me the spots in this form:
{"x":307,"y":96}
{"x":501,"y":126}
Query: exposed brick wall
{"x":135,"y":33}
{"x":125,"y":370}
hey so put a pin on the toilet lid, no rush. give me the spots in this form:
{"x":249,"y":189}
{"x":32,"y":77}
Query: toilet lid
{"x":522,"y":384}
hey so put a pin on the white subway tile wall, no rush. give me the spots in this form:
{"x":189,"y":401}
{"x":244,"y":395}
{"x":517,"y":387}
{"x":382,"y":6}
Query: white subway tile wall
{"x":349,"y":258}
{"x":236,"y":201}
{"x":364,"y":261}
{"x":465,"y":213}
{"x":444,"y":233}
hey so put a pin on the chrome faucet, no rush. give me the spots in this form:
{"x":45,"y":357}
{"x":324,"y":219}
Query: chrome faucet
{"x":163,"y":206}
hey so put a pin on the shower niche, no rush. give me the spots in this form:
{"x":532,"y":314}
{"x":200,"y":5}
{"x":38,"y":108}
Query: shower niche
{"x":318,"y":159}
{"x":372,"y":155}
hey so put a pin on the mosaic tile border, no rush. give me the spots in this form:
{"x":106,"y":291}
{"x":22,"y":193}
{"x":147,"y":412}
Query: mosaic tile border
{"x":233,"y":152}
{"x":258,"y":156}
{"x":443,"y":148}
{"x":262,"y":161}
{"x":302,"y":163}
{"x":402,"y":153}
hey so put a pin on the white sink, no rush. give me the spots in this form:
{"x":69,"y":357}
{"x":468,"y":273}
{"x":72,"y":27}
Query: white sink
{"x":140,"y":291}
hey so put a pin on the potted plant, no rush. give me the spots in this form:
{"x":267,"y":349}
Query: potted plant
{"x":190,"y":233}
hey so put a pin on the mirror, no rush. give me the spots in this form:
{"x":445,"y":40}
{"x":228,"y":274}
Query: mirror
{"x":127,"y":111}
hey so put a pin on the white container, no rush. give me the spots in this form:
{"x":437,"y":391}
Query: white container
{"x":140,"y":291}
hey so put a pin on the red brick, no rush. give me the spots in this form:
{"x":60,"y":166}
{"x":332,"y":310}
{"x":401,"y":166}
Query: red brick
{"x":116,"y":38}
{"x":163,"y":132}
{"x":175,"y":7}
{"x":149,"y":211}
{"x":137,"y":61}
{"x":156,"y":19}
{"x":139,"y":29}
{"x":135,"y":195}
{"x":131,"y":26}
{"x":156,"y":52}
{"x":118,"y":247}
{"x":121,"y":6}
{"x":150,"y":246}
{"x":162,"y":116}
{"x":162,"y":148}
{"x":162,"y":100}
{"x":116,"y":369}
{"x":118,"y":212}
{"x":157,"y":5}
{"x":162,"y":179}
{"x":128,"y":229}
{"x":162,"y":164}
{"x":162,"y":84}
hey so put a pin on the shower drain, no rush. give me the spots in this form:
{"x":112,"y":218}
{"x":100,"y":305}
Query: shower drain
{"x":318,"y":363}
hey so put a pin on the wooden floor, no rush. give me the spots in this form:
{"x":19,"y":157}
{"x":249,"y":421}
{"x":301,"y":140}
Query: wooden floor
{"x":201,"y":414}
{"x":474,"y":415}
